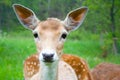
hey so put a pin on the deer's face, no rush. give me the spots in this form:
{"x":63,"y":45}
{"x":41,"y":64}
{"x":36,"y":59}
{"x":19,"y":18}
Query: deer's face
{"x":49,"y":37}
{"x":50,"y":34}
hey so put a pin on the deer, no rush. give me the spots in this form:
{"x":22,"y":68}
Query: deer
{"x":49,"y":63}
{"x":106,"y":71}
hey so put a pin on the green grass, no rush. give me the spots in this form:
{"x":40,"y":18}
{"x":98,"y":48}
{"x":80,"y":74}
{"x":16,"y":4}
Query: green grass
{"x":14,"y":50}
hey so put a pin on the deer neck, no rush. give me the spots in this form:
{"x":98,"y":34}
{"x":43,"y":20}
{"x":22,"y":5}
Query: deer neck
{"x":49,"y":71}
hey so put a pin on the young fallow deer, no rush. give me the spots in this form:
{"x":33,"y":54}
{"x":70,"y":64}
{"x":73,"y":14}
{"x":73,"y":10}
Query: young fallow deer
{"x":50,"y":63}
{"x":106,"y":71}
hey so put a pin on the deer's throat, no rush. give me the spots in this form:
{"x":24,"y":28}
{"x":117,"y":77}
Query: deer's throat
{"x":49,"y":71}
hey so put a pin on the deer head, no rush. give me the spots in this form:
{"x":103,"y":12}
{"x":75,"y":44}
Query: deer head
{"x":50,"y":34}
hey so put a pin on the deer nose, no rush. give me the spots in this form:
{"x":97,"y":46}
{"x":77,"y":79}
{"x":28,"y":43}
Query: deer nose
{"x":48,"y":57}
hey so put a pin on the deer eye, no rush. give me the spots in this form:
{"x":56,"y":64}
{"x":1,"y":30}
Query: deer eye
{"x":64,"y":35}
{"x":35,"y":35}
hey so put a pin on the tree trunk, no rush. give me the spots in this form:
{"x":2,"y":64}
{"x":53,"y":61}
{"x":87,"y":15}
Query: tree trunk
{"x":113,"y":28}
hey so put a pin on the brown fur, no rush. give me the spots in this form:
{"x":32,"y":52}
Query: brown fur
{"x":79,"y":66}
{"x":31,"y":66}
{"x":106,"y":71}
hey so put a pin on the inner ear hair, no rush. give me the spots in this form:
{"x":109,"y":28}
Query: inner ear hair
{"x":22,"y":11}
{"x":78,"y":14}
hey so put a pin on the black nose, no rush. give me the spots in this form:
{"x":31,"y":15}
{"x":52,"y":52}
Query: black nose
{"x":48,"y":57}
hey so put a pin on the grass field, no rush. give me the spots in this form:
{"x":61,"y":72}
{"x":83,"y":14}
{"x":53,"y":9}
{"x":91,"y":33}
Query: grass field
{"x":14,"y":49}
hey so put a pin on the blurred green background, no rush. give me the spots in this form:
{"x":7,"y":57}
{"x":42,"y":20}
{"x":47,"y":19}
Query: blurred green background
{"x":97,"y":40}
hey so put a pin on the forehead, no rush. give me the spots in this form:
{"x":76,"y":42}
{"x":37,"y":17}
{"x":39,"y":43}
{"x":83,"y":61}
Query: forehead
{"x":51,"y":24}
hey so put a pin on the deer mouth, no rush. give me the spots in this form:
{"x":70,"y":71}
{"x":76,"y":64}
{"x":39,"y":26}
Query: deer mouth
{"x":48,"y":60}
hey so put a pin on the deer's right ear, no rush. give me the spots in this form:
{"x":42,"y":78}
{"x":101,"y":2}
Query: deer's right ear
{"x":26,"y":16}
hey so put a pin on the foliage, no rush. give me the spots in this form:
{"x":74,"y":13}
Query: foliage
{"x":97,"y":20}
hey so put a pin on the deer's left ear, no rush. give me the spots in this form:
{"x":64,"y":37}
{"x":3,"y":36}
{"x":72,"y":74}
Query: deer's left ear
{"x":75,"y":18}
